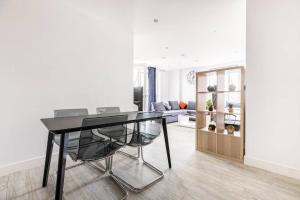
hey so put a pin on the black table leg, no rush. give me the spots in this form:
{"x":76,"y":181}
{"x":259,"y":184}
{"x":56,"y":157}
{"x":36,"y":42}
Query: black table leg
{"x":164,"y":125}
{"x":48,"y":158}
{"x":61,"y":166}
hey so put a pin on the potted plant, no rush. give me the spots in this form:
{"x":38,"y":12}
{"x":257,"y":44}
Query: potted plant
{"x":212,"y":126}
{"x":209,"y":105}
{"x":230,"y":129}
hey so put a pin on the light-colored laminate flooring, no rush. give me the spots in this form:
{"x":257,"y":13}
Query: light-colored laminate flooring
{"x":194,"y":176}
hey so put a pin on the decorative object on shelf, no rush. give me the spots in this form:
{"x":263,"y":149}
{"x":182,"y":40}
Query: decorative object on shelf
{"x":230,"y":129}
{"x":212,"y":126}
{"x":232,"y":87}
{"x":209,"y":105}
{"x":212,"y":88}
{"x":191,"y":77}
{"x":230,"y":108}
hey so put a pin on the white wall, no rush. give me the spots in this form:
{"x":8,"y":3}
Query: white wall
{"x":188,"y":91}
{"x":273,"y":89}
{"x":162,"y":88}
{"x":174,"y":80}
{"x":59,"y":54}
{"x":178,"y":86}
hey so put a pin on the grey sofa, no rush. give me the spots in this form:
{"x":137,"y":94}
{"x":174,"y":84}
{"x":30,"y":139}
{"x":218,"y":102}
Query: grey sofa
{"x":172,"y":108}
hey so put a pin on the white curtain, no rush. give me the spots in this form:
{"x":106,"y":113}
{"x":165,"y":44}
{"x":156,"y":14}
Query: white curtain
{"x":161,"y":86}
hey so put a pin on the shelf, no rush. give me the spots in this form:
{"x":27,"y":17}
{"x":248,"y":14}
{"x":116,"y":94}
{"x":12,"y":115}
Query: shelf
{"x":219,"y":141}
{"x":236,"y":111}
{"x":207,"y":131}
{"x":235,"y":134}
{"x":216,"y":92}
{"x":218,"y":112}
{"x":224,"y":132}
{"x":207,"y":92}
{"x":237,"y":91}
{"x":206,"y":111}
{"x":228,"y":113}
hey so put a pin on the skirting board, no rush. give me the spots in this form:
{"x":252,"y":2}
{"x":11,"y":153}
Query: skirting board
{"x":272,"y":167}
{"x":23,"y":165}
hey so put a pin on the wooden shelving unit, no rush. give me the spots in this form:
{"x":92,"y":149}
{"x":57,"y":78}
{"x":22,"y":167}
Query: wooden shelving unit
{"x":219,"y":142}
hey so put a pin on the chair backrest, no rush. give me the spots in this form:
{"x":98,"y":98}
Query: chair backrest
{"x":151,"y":129}
{"x":90,"y":149}
{"x":107,"y":110}
{"x":71,"y":112}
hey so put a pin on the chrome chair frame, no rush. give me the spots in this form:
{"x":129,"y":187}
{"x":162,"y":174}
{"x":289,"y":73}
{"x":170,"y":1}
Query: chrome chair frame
{"x":109,"y":173}
{"x":140,"y":157}
{"x":107,"y":169}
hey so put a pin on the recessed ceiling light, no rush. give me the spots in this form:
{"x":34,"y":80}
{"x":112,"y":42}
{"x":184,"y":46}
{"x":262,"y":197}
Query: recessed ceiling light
{"x":166,"y":47}
{"x":164,"y":57}
{"x":155,"y":20}
{"x":182,"y":54}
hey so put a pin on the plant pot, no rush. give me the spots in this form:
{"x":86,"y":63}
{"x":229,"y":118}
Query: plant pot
{"x":212,"y":88}
{"x":230,"y":129}
{"x":212,"y":127}
{"x":211,"y":108}
{"x":230,"y":110}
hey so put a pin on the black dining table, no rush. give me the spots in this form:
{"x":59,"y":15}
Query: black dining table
{"x":63,"y":126}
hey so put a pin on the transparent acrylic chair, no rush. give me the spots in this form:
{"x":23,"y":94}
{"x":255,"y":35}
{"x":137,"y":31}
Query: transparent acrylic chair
{"x":90,"y":149}
{"x":142,"y":134}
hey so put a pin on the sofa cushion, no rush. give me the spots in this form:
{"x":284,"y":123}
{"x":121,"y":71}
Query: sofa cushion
{"x":174,"y":105}
{"x":167,"y":106}
{"x":159,"y":106}
{"x":191,"y":105}
{"x":176,"y":112}
{"x":182,"y":105}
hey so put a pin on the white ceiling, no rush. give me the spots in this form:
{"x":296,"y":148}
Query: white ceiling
{"x":189,"y":33}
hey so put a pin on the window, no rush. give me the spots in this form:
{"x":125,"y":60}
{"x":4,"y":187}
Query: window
{"x":161,"y":85}
{"x":140,"y":80}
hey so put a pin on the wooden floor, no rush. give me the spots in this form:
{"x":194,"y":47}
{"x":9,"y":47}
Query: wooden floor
{"x":194,"y":176}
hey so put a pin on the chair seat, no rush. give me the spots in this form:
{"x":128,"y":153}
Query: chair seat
{"x":150,"y":131}
{"x":94,"y":150}
{"x":118,"y":133}
{"x":73,"y":141}
{"x":136,"y":141}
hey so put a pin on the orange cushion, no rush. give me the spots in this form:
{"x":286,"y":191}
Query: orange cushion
{"x":182,"y":105}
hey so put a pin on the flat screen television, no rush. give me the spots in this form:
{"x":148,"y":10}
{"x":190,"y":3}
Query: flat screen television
{"x":138,"y":97}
